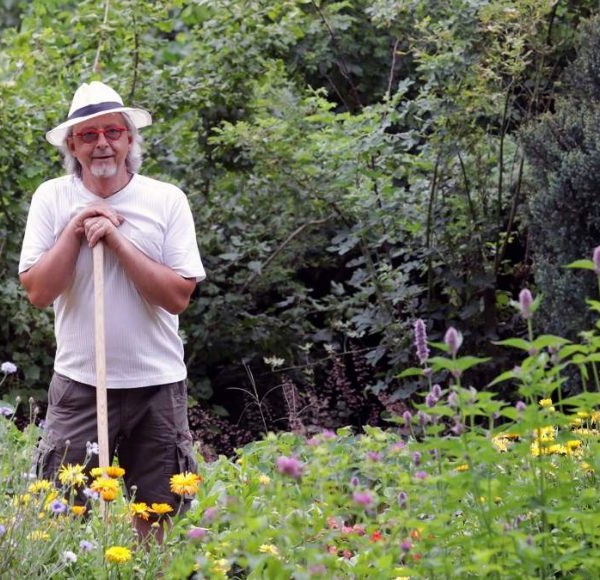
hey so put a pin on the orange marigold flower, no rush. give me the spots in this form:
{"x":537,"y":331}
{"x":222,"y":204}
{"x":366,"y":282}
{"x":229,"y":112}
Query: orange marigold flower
{"x":106,"y":487}
{"x":185,"y":483}
{"x":114,"y":471}
{"x":78,"y":510}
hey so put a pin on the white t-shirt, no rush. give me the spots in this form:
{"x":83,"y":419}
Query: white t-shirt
{"x":143,"y":347}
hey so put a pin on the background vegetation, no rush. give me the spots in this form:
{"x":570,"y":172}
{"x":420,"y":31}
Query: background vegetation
{"x":351,"y":166}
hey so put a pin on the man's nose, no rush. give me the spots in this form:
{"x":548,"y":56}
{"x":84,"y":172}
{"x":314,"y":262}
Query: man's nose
{"x":102,"y":140}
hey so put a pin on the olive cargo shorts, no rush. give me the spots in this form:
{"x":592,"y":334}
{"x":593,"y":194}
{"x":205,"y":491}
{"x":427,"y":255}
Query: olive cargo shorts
{"x":148,"y":432}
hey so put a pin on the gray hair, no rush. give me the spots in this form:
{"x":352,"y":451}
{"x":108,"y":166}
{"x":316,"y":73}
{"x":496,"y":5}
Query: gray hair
{"x":133,"y":161}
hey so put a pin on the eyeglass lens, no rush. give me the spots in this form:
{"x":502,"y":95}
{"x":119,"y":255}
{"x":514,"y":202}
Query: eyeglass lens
{"x":91,"y":135}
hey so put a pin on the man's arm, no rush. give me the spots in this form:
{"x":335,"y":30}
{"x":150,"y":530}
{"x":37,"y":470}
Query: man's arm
{"x":157,"y":283}
{"x":52,"y":274}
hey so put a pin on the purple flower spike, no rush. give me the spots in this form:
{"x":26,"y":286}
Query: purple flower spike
{"x":431,"y":400}
{"x":406,"y":545}
{"x":453,"y":340}
{"x":525,"y":302}
{"x":421,"y":341}
{"x":596,"y":260}
{"x":436,"y":391}
{"x":407,"y":416}
{"x":289,"y":466}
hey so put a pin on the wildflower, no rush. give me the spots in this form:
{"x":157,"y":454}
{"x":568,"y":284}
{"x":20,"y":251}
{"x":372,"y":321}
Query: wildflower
{"x":525,"y":303}
{"x":458,"y":428}
{"x":407,"y":416}
{"x":72,"y":475}
{"x":210,"y":514}
{"x":38,"y":535}
{"x":69,"y":557}
{"x":161,"y":508}
{"x":453,"y":340}
{"x":406,"y":545}
{"x":6,"y":411}
{"x":90,"y":493}
{"x":431,"y":400}
{"x":376,"y":536}
{"x":436,"y":391}
{"x":462,"y":467}
{"x":453,"y":399}
{"x":596,"y":260}
{"x":40,"y":486}
{"x":140,"y":510}
{"x":587,"y":468}
{"x":520,"y":406}
{"x":2,"y":530}
{"x":118,"y":554}
{"x":221,"y":566}
{"x":264,"y":479}
{"x":196,"y":533}
{"x":78,"y":510}
{"x":58,"y":506}
{"x":268,"y":549}
{"x":547,"y":404}
{"x":503,"y":442}
{"x":416,"y":457}
{"x":92,"y":448}
{"x":421,"y":475}
{"x":374,"y":456}
{"x":363,"y":498}
{"x":289,"y":466}
{"x":114,"y":471}
{"x":416,"y":534}
{"x":354,"y":481}
{"x":86,"y":546}
{"x":186,"y":483}
{"x":8,"y":368}
{"x":106,"y":487}
{"x":402,"y":499}
{"x":421,"y":341}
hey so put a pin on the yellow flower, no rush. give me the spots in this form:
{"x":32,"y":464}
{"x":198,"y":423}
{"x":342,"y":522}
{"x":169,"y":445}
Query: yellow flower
{"x":78,"y":510}
{"x":268,"y":549}
{"x":38,"y":535}
{"x":503,"y":441}
{"x":547,"y":433}
{"x":547,"y":404}
{"x":22,"y":499}
{"x":264,"y":479}
{"x":185,"y":483}
{"x":161,"y":508}
{"x":221,"y":566}
{"x":72,"y":475}
{"x":40,"y":486}
{"x":96,"y":472}
{"x":140,"y":510}
{"x":462,"y":467}
{"x":106,"y":487}
{"x":118,"y":554}
{"x":587,"y":468}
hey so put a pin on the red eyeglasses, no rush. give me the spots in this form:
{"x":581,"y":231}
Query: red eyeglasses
{"x":91,"y":135}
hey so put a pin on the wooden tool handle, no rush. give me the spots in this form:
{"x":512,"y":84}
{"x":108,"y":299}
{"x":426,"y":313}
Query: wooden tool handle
{"x":101,"y":400}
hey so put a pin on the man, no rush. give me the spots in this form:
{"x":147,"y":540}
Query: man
{"x":151,"y":267}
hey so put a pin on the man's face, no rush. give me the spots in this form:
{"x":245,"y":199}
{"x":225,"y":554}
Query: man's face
{"x":100,"y":154}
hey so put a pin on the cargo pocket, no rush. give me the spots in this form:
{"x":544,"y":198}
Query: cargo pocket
{"x":186,"y":459}
{"x":46,"y":459}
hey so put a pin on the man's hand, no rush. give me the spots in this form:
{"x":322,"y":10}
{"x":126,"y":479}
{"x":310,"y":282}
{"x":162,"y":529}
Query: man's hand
{"x":96,"y":209}
{"x":99,"y":228}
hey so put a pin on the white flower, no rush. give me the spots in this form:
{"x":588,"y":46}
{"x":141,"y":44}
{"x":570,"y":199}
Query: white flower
{"x":69,"y":557}
{"x":8,"y":368}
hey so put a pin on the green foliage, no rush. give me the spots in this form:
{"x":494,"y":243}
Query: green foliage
{"x":350,"y":165}
{"x":564,"y":151}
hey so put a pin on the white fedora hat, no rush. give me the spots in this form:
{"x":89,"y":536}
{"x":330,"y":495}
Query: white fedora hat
{"x":92,"y":100}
